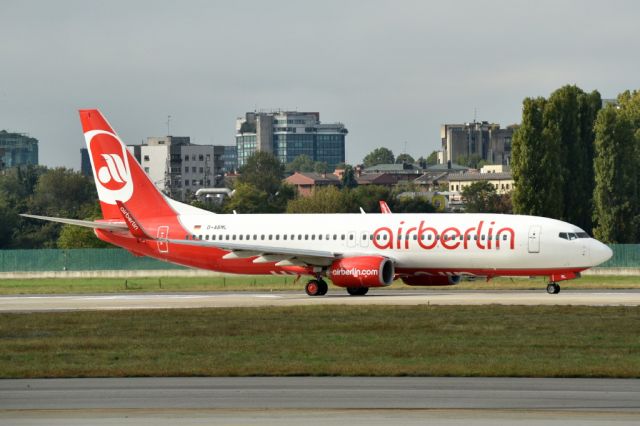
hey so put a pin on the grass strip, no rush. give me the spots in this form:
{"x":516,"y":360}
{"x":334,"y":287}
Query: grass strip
{"x":272,"y":283}
{"x":325,"y":340}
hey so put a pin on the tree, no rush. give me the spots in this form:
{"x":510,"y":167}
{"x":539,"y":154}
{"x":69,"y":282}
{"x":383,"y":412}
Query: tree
{"x":320,"y":167}
{"x":379,"y":156}
{"x":616,"y":214}
{"x":302,"y":163}
{"x":247,"y":198}
{"x":262,"y":170}
{"x":573,"y":112}
{"x":72,"y":237}
{"x":483,"y":197}
{"x":536,"y":163}
{"x":405,"y":158}
{"x":432,"y":159}
{"x":412,"y":205}
{"x":349,"y":178}
{"x":328,"y":199}
{"x":369,"y":196}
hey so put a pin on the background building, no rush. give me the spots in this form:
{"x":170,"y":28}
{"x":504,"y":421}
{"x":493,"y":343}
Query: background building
{"x":288,"y":134}
{"x":17,"y":149}
{"x":485,"y":140}
{"x":177,"y":167}
{"x":230,"y":159}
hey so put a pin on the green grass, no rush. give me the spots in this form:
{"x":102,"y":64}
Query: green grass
{"x":273,"y":283}
{"x":325,"y":340}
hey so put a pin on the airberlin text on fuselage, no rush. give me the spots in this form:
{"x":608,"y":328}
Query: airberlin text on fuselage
{"x":451,"y":238}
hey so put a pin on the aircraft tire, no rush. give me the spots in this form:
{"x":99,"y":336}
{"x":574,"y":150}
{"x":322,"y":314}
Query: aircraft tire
{"x":553,"y":288}
{"x":312,"y":288}
{"x":357,"y":291}
{"x":323,"y":287}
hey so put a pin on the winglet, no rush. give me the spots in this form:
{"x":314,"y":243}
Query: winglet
{"x":384,"y":208}
{"x":135,"y":229}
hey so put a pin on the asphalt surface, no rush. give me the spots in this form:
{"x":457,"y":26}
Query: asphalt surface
{"x":336,"y":297}
{"x":310,"y":400}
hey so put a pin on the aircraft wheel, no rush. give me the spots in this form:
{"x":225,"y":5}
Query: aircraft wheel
{"x":312,"y":288}
{"x":553,"y":288}
{"x":357,"y":291}
{"x":323,"y":287}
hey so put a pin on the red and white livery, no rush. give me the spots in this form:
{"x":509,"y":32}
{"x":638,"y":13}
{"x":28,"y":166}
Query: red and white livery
{"x":355,"y":251}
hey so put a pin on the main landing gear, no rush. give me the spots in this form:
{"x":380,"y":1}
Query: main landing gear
{"x":553,"y":288}
{"x":317,"y":287}
{"x":357,"y":291}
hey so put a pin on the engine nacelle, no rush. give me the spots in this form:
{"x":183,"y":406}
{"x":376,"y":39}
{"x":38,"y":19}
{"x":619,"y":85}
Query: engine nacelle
{"x":362,"y":271}
{"x":431,"y":280}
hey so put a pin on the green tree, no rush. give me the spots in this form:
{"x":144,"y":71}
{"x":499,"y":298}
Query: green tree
{"x":247,"y":198}
{"x":405,"y":158}
{"x":432,"y":159}
{"x":412,"y":205}
{"x":262,"y":170}
{"x":483,"y":197}
{"x":349,"y":178}
{"x":369,"y":196}
{"x":616,"y":189}
{"x":328,"y":199}
{"x":302,"y":163}
{"x":72,"y":237}
{"x":573,"y":113}
{"x":536,"y":163}
{"x":320,"y":167}
{"x":379,"y":156}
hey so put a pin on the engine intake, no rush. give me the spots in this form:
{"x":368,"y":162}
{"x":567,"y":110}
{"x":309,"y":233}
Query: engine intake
{"x":362,"y":271}
{"x":431,"y":280}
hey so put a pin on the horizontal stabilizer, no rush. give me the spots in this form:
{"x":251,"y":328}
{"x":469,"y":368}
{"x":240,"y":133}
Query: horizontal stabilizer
{"x":107,"y":226}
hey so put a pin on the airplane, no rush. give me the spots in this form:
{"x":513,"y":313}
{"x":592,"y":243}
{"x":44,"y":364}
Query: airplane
{"x":355,"y":251}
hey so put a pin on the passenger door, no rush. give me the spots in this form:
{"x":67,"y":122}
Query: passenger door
{"x":534,"y":239}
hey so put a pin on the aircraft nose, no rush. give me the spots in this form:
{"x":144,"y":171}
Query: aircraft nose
{"x":600,"y":253}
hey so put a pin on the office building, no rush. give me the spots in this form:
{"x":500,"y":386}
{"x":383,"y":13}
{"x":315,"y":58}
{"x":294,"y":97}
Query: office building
{"x":486,"y":141}
{"x":179,"y":168}
{"x":17,"y":149}
{"x":288,"y":134}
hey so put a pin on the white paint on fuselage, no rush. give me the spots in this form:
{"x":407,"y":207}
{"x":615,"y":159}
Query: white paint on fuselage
{"x":554,"y":251}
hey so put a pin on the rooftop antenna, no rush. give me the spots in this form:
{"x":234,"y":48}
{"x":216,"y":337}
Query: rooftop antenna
{"x":475,"y":114}
{"x":168,"y":125}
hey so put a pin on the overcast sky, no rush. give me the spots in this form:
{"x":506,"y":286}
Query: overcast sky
{"x":391,"y":71}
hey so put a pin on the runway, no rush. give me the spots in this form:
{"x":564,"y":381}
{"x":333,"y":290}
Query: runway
{"x":336,"y":297}
{"x":316,"y":400}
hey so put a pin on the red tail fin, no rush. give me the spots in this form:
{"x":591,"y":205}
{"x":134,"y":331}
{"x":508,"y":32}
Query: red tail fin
{"x":117,"y":174}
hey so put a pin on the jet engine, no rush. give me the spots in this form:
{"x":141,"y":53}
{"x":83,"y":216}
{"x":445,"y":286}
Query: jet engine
{"x":362,"y":271}
{"x":431,"y":280}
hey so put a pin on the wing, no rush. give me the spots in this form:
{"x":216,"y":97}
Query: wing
{"x":108,"y":226}
{"x":283,"y":256}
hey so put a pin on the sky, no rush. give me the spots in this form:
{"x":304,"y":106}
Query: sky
{"x":391,"y":71}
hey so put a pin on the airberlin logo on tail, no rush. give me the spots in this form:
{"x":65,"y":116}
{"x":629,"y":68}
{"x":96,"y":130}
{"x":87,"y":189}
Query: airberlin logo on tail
{"x":114,"y":174}
{"x":110,"y":166}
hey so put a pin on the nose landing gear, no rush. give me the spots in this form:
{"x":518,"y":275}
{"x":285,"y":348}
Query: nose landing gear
{"x":553,"y":288}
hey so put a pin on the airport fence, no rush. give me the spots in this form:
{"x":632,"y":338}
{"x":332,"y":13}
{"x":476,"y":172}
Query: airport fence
{"x":624,"y":256}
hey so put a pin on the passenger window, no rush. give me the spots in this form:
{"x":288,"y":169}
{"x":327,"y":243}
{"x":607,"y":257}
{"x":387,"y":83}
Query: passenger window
{"x":504,"y":237}
{"x":199,"y":237}
{"x":186,"y":237}
{"x":284,"y":237}
{"x":226,"y":237}
{"x":313,"y":237}
{"x":240,"y":237}
{"x":277,"y":236}
{"x":320,"y":236}
{"x":262,"y":237}
{"x":270,"y":236}
{"x":351,"y":237}
{"x":335,"y":237}
{"x":306,"y":236}
{"x":206,"y":237}
{"x":342,"y":237}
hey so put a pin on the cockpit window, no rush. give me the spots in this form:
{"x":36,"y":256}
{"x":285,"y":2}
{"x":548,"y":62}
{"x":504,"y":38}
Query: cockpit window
{"x":573,"y":235}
